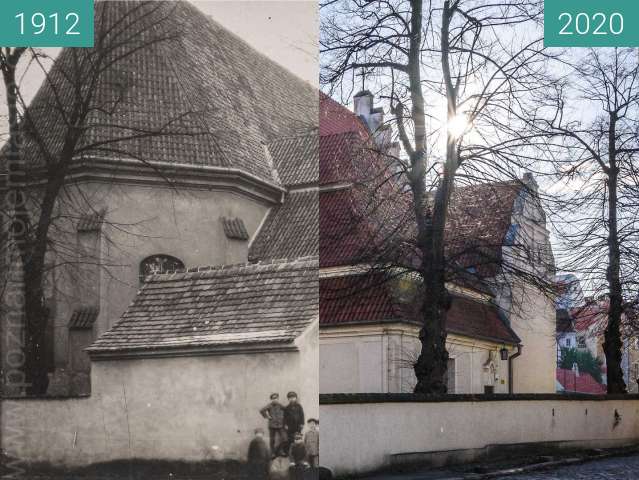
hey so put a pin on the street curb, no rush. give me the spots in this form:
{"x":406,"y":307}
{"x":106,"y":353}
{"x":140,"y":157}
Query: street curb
{"x":543,"y":466}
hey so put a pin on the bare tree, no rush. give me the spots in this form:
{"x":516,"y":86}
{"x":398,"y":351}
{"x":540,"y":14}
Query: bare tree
{"x":591,"y":121}
{"x":464,"y":56}
{"x":47,"y":142}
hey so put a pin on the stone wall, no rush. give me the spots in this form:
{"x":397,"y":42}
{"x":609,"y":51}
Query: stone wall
{"x":362,"y":433}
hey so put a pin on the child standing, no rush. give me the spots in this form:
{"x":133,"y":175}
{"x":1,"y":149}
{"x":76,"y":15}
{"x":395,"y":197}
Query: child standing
{"x":293,"y":417}
{"x":311,"y":441}
{"x":258,"y":456}
{"x":274,"y":412}
{"x":297,"y":456}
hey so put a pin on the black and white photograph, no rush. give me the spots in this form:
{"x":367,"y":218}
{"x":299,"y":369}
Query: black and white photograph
{"x":160,"y":246}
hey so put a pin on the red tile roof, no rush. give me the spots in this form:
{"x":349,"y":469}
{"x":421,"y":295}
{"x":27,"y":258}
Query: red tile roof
{"x":591,"y":315}
{"x":478,"y":320}
{"x":338,"y":153}
{"x":357,"y":299}
{"x":336,"y":118}
{"x":356,"y":228}
{"x":371,"y":298}
{"x":357,"y":223}
{"x":480,"y":217}
{"x":584,"y":383}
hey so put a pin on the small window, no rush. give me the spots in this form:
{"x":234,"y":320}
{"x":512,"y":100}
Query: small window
{"x":581,"y":342}
{"x":568,"y":342}
{"x":158,"y":264}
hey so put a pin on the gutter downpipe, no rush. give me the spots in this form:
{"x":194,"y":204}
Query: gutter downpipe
{"x":510,"y":367}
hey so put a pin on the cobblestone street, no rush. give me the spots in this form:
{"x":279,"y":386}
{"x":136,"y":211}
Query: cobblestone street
{"x":619,"y":468}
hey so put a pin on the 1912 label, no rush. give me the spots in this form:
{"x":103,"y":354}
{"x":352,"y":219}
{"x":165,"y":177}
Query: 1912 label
{"x":46,"y":23}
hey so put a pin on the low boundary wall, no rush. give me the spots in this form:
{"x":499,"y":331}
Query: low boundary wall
{"x":177,"y":409}
{"x":367,"y":432}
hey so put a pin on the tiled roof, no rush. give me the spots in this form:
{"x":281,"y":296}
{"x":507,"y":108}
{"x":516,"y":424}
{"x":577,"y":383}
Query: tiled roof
{"x":344,"y":234}
{"x":371,"y":299}
{"x":478,"y":320}
{"x":356,"y":224}
{"x":83,"y":318}
{"x":223,"y":100}
{"x":216,"y":308}
{"x":296,"y":159}
{"x":479,"y":220}
{"x":342,"y":158}
{"x":591,"y":315}
{"x":336,"y":118}
{"x":355,"y":299}
{"x":234,"y":228}
{"x":290,"y":230}
{"x":584,"y":383}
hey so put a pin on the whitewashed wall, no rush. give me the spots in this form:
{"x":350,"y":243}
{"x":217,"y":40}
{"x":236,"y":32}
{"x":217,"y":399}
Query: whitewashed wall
{"x":392,"y":428}
{"x":185,"y":408}
{"x":378,"y":359}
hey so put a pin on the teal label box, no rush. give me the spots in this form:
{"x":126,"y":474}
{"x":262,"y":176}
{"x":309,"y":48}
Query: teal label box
{"x":46,"y":23}
{"x":591,"y":23}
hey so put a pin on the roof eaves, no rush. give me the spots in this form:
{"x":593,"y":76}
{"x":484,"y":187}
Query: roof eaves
{"x":98,"y":353}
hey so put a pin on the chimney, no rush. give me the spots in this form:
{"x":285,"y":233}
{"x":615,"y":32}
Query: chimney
{"x":363,"y":103}
{"x":372,"y":117}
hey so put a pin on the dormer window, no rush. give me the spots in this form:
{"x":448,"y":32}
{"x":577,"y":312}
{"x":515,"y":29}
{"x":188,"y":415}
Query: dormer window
{"x":158,"y":264}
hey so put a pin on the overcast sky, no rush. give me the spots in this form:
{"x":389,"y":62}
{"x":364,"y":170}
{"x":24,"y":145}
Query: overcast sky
{"x":286,"y":31}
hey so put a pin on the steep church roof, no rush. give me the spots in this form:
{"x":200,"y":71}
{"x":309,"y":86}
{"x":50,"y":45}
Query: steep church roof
{"x":218,"y":101}
{"x":356,"y":218}
{"x":366,"y":217}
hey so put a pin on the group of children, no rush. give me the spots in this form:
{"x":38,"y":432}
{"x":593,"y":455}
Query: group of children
{"x":291,"y":455}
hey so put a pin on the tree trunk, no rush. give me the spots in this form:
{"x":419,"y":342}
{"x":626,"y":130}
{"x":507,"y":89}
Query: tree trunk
{"x":613,"y":343}
{"x":35,"y":312}
{"x":36,"y":317}
{"x":432,"y":365}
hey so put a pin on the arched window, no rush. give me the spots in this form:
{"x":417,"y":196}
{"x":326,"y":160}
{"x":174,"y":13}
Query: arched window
{"x":156,"y":264}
